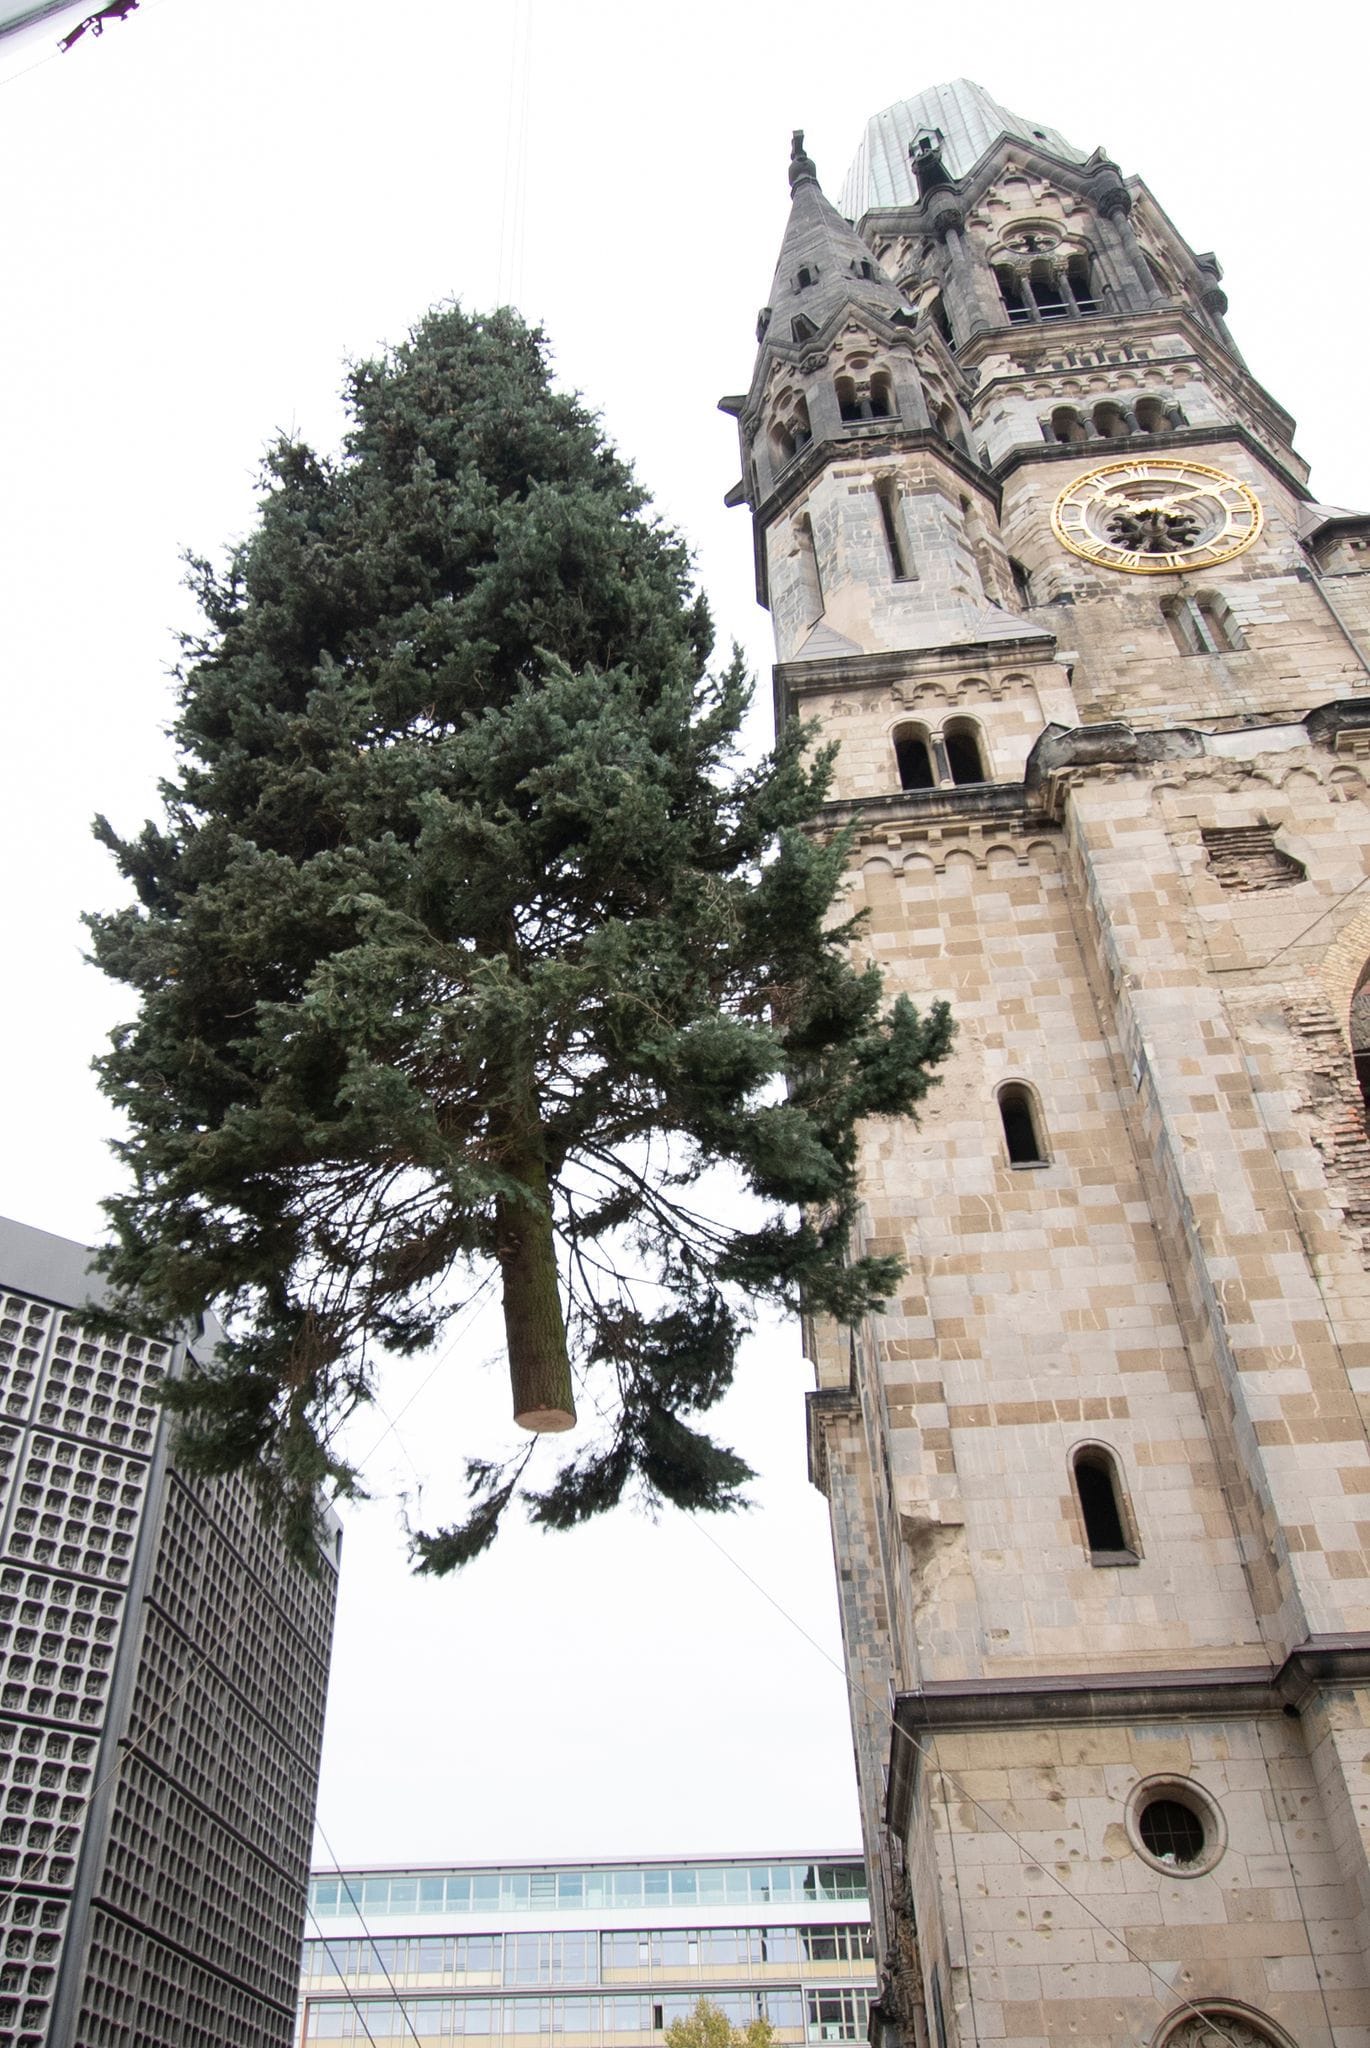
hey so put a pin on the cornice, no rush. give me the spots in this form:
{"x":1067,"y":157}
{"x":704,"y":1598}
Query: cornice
{"x":820,"y":1403}
{"x":1036,"y":646}
{"x":889,"y":439}
{"x":1222,"y":1693}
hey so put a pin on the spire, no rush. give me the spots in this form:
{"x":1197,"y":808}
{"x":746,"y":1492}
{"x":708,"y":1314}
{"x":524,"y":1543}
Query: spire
{"x":964,"y":122}
{"x":824,"y":265}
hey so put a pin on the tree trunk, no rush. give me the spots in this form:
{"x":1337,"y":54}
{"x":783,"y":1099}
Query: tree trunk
{"x":534,"y":1327}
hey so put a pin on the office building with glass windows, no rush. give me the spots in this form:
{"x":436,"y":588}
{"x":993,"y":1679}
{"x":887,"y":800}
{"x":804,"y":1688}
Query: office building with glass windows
{"x":590,"y":1953}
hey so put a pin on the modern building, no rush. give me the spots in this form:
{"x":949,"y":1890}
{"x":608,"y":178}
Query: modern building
{"x":1043,"y":561}
{"x":161,"y":1700}
{"x":591,"y":1953}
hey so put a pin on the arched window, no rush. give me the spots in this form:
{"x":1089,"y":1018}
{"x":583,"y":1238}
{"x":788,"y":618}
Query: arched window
{"x":1022,"y":1129}
{"x":1022,"y":582}
{"x":1011,"y":292}
{"x":913,"y":758}
{"x":1066,"y":425}
{"x":949,"y":426}
{"x":875,"y":403}
{"x":1151,"y":416}
{"x":937,"y":313}
{"x":1109,"y":421}
{"x":892,"y":525}
{"x":1045,"y":287}
{"x":965,"y":758}
{"x":808,"y":274}
{"x":790,"y":430}
{"x":1080,"y":281}
{"x":1101,"y":1506}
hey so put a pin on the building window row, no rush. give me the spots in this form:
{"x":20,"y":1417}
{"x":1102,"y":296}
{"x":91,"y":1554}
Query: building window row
{"x":1112,"y":419}
{"x":840,"y":2014}
{"x":1047,"y":289}
{"x":582,"y":1956}
{"x":481,"y":1891}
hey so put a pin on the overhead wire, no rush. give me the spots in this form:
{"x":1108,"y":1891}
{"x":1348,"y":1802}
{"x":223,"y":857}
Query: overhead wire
{"x":509,"y":276}
{"x":343,"y":1879}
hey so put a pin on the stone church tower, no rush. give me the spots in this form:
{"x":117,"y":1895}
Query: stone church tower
{"x":1043,"y":563}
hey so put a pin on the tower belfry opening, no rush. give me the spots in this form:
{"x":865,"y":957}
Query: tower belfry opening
{"x":1088,"y":648}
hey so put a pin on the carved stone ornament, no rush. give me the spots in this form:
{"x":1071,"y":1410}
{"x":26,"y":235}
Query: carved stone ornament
{"x":1156,"y":517}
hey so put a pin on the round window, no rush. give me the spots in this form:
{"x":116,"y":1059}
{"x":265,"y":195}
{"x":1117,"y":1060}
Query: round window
{"x":1175,"y":1826}
{"x":1171,"y":1831}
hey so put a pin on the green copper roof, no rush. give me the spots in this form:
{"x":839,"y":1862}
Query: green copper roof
{"x":969,"y":120}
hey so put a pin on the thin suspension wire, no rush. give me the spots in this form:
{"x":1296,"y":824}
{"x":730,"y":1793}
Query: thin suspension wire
{"x":1166,"y":1996}
{"x":515,"y":154}
{"x":358,"y":2008}
{"x":342,"y":1878}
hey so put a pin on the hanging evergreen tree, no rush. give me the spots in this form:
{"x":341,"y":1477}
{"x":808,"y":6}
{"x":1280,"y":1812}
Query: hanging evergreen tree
{"x":468,"y":945}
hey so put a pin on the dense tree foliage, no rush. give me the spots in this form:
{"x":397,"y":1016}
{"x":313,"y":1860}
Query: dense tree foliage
{"x":467,"y":945}
{"x":708,"y":2026}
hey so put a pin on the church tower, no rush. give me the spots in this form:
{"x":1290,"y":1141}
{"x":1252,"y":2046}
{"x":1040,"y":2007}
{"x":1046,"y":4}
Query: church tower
{"x":1043,"y":562}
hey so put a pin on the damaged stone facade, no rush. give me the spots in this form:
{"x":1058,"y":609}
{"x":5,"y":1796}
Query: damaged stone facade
{"x":1100,"y":1475}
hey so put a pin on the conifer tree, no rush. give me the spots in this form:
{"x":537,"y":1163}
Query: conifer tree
{"x":468,"y":945}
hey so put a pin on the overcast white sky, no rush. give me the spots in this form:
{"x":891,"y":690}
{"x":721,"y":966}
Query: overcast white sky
{"x":208,"y":209}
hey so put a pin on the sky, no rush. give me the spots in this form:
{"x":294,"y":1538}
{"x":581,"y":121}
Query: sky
{"x":211,"y":208}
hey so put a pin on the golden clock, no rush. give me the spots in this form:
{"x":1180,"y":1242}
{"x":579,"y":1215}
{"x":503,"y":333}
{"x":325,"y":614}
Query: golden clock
{"x":1155,"y":516}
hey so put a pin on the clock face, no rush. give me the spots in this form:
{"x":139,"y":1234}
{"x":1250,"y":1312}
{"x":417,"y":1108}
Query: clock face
{"x":1154,"y":517}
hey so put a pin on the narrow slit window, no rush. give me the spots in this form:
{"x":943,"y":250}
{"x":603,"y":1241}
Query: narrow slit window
{"x":1222,"y":628}
{"x":965,"y":759}
{"x":1096,"y":1487}
{"x":1022,"y":1134}
{"x":913,"y":758}
{"x":810,"y":575}
{"x":888,"y":501}
{"x":1184,"y":627}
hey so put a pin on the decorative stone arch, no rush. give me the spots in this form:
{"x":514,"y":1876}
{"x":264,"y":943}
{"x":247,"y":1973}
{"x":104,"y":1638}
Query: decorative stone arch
{"x":1220,"y":2023}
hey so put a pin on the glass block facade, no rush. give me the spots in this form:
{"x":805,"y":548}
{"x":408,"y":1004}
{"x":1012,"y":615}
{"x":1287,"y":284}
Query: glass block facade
{"x":162,"y":1674}
{"x":587,"y":1953}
